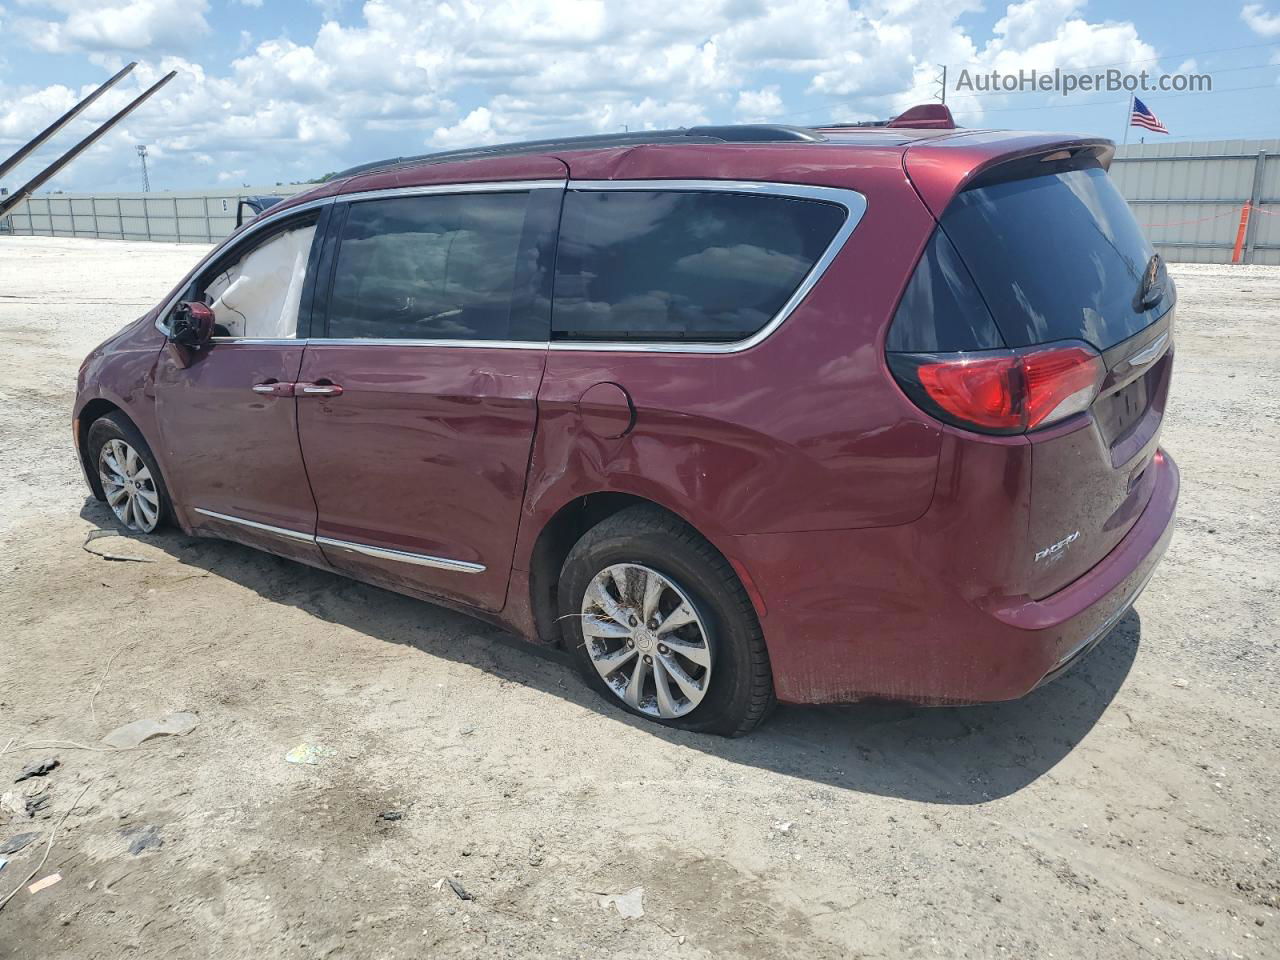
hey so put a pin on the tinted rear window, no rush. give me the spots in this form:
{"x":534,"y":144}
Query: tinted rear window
{"x":667,"y":265}
{"x":941,"y":310}
{"x":1056,"y":257}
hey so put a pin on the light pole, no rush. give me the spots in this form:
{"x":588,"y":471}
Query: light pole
{"x":146,"y":181}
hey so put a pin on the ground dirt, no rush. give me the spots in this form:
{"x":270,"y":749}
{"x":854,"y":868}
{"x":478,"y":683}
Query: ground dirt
{"x":1127,"y":810}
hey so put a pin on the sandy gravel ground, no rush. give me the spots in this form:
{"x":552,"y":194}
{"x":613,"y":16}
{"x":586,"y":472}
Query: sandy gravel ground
{"x":1129,"y":810}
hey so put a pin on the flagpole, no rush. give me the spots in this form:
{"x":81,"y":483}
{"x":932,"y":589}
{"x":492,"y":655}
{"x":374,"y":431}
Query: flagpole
{"x":1128,"y":119}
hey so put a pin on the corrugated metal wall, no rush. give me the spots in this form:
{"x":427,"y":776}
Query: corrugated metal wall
{"x":189,"y":217}
{"x":1188,"y":196}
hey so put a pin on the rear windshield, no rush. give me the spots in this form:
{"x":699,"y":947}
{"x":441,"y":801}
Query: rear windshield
{"x":1056,"y":257}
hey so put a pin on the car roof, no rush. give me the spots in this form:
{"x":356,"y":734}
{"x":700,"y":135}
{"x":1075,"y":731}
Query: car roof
{"x":857,"y":157}
{"x":879,"y":135}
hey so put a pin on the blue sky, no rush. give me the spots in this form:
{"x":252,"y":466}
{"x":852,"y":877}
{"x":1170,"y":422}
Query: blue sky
{"x":284,"y":90}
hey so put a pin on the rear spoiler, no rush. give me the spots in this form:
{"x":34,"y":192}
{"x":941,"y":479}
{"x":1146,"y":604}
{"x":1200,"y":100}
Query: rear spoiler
{"x":939,"y":169}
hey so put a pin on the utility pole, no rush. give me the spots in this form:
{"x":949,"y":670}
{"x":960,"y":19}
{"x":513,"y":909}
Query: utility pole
{"x":146,"y":181}
{"x":941,"y":81}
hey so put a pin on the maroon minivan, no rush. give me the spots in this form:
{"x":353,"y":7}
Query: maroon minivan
{"x":737,"y":414}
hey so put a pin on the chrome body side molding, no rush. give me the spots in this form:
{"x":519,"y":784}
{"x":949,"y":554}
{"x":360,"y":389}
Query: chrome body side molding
{"x":418,"y":559}
{"x":381,"y":553}
{"x":261,"y":527}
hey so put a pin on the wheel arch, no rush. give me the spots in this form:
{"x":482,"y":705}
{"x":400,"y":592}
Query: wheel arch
{"x":566,"y":526}
{"x":90,"y":413}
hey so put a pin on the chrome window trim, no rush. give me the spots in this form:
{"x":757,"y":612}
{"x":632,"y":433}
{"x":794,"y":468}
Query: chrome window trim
{"x":382,"y":553}
{"x":371,"y":342}
{"x":426,"y":190}
{"x":418,"y":559}
{"x":263,"y":527}
{"x":854,"y":203}
{"x":259,"y":341}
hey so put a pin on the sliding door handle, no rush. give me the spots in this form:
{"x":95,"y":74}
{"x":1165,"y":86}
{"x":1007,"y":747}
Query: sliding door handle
{"x":274,"y":388}
{"x":321,"y":388}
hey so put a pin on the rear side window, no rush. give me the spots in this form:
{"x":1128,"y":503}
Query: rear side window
{"x":695,"y":266}
{"x":1056,"y":257}
{"x":941,"y":311}
{"x":444,"y":267}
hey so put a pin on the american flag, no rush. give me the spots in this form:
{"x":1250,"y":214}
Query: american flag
{"x":1143,"y":117}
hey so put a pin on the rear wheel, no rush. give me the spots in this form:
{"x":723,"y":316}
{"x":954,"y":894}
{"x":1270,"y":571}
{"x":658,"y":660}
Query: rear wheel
{"x":127,"y":471}
{"x":661,"y":624}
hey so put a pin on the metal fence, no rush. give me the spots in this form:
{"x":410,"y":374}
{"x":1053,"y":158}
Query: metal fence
{"x":1189,"y":197}
{"x":195,"y":217}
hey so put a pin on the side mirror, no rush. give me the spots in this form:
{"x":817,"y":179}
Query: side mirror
{"x":192,"y":324}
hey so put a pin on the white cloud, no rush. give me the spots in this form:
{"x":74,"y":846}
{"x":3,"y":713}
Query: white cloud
{"x":475,"y":129}
{"x":406,"y":75}
{"x":1260,"y":21}
{"x":759,"y":105}
{"x":1034,"y":21}
{"x":132,"y":25}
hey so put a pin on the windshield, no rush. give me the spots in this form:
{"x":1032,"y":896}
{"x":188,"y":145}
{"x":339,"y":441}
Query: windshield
{"x":1057,"y":257}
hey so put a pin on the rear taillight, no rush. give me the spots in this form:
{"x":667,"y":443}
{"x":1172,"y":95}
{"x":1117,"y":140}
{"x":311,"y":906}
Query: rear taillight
{"x":1002,"y":391}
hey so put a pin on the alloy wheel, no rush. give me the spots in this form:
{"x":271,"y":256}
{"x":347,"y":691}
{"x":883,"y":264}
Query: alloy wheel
{"x":647,"y":640}
{"x":129,"y":487}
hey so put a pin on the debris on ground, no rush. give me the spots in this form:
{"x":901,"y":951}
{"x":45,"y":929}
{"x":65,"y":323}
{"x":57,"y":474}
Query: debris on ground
{"x":459,"y":889}
{"x":14,"y":803}
{"x":25,"y":803}
{"x":36,"y":802}
{"x":391,"y":815}
{"x":140,"y":731}
{"x":43,"y":882}
{"x":142,"y":838}
{"x":1182,"y":682}
{"x":311,"y":753}
{"x":630,"y":905}
{"x":37,"y":769}
{"x":120,"y":548}
{"x":17,"y":842}
{"x":783,"y":826}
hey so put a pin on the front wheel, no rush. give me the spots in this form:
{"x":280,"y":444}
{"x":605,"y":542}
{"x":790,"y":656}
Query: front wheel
{"x":127,"y":472}
{"x":661,"y":624}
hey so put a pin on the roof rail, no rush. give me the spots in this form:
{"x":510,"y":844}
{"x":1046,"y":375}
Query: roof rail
{"x":733,"y":133}
{"x":853,"y":125}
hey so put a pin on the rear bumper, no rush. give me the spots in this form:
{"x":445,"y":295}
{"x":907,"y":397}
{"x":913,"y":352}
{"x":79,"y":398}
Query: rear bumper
{"x":887,"y":622}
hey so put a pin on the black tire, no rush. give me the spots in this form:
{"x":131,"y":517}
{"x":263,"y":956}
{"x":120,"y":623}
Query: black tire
{"x":739,"y":694}
{"x":116,"y":426}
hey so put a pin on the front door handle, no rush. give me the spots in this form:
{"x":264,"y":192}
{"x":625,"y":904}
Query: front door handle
{"x":274,"y":388}
{"x":321,"y":388}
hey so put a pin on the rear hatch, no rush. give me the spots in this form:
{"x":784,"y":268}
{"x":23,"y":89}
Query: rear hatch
{"x":1081,"y":311}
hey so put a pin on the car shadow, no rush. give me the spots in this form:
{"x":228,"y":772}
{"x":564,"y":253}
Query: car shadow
{"x":946,"y":755}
